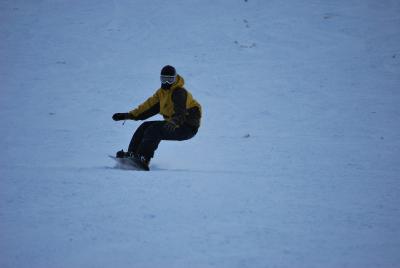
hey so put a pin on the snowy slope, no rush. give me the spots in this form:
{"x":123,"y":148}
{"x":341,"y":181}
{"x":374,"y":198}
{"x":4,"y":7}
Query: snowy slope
{"x":296,"y":163}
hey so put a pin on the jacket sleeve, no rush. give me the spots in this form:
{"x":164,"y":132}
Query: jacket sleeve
{"x":179,"y":98}
{"x":147,"y":109}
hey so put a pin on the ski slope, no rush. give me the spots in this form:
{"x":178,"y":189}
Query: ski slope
{"x":296,"y":163}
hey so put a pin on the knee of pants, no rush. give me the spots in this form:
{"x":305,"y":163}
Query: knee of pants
{"x":152,"y":133}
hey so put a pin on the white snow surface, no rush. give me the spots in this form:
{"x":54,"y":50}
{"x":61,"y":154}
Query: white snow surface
{"x":296,"y":163}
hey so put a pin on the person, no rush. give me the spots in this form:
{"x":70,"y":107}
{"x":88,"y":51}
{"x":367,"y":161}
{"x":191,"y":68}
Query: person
{"x":181,"y":113}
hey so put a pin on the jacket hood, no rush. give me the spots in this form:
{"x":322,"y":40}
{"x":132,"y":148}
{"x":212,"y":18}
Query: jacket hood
{"x":180,"y":82}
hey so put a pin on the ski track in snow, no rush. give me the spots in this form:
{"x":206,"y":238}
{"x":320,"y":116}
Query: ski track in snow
{"x":296,"y":163}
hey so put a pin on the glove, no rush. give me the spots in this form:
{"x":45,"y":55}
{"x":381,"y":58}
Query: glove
{"x":121,"y":116}
{"x":170,"y":126}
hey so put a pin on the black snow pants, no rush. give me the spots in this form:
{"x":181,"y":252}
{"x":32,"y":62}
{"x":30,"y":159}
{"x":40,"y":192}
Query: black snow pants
{"x":148,"y":136}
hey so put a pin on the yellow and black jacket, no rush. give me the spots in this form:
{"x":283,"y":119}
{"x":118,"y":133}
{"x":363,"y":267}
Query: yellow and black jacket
{"x":176,"y":105}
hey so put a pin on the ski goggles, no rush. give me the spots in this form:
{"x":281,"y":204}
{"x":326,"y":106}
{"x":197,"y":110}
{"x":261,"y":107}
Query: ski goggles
{"x":168,"y":79}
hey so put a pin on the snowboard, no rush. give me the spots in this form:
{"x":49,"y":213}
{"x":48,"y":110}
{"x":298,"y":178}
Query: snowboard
{"x":129,"y":163}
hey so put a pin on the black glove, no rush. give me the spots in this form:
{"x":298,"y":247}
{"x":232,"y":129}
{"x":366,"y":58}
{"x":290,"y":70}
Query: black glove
{"x":170,"y":126}
{"x":121,"y":116}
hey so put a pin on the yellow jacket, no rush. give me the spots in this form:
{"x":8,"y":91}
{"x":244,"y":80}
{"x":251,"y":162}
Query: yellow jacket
{"x":175,"y":104}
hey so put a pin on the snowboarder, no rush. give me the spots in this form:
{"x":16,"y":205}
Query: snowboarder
{"x":181,"y":112}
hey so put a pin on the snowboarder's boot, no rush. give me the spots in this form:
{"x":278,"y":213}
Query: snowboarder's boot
{"x":142,"y":161}
{"x":122,"y":154}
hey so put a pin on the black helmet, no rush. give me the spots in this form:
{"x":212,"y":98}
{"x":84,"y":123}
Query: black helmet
{"x":168,"y":70}
{"x":168,"y":76}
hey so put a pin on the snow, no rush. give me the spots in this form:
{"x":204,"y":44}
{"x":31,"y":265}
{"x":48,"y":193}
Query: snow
{"x":296,"y":163}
